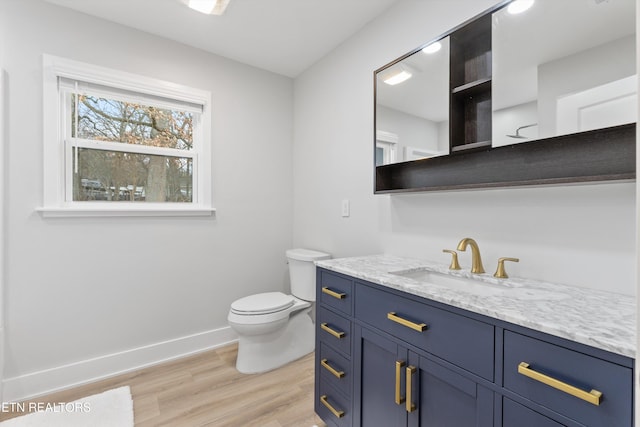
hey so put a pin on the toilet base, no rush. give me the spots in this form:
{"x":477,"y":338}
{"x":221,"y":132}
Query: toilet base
{"x":261,"y":353}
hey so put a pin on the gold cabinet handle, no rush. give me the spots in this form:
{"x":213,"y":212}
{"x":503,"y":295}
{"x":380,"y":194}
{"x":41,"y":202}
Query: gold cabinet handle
{"x":409,"y":404}
{"x":420,"y":327}
{"x":399,"y":365}
{"x":593,"y":396}
{"x":334,"y":411}
{"x":337,"y":334}
{"x":338,"y":295}
{"x":325,"y":364}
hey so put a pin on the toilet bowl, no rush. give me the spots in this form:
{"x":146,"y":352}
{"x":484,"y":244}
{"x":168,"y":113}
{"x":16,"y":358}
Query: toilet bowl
{"x":275,"y":328}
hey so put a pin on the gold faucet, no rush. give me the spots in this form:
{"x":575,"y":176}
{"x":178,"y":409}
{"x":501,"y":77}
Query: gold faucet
{"x":501,"y":273}
{"x":476,"y":261}
{"x":455,"y":265}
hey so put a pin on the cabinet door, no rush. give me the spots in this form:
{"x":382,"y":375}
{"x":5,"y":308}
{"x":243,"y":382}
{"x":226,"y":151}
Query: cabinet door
{"x":444,"y":398}
{"x":379,"y":366}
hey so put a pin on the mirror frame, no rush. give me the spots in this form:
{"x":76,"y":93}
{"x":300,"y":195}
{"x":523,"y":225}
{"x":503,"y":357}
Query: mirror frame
{"x":607,"y":154}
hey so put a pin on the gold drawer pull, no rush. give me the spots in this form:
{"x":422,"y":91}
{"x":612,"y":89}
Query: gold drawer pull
{"x":399,"y":365}
{"x":592,"y":396}
{"x":334,"y":411}
{"x":420,"y":327}
{"x":325,"y":365}
{"x":337,"y":334}
{"x":409,"y":405}
{"x":338,"y":295}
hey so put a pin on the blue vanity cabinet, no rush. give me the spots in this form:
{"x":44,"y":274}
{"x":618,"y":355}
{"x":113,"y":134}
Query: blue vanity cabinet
{"x":398,"y":387}
{"x":380,"y":380}
{"x":460,"y":340}
{"x":448,"y":399}
{"x":334,"y":337}
{"x":579,"y":386}
{"x":399,"y":384}
{"x":516,"y":415}
{"x":406,"y":361}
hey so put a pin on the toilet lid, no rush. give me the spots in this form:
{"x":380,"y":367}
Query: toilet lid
{"x":268,"y":302}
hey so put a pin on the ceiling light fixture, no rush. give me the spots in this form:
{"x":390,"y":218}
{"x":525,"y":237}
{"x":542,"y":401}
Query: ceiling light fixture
{"x":209,"y":7}
{"x":432,"y":48}
{"x":519,"y":6}
{"x":396,"y":75}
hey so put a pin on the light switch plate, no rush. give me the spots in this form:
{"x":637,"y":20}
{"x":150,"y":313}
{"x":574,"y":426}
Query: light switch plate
{"x":345,"y":208}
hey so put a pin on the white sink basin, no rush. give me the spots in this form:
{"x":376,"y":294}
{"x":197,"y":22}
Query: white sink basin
{"x":466,"y":284}
{"x":484,"y":285}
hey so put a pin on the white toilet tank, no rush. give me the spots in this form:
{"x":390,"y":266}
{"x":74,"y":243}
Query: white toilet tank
{"x":302,"y":272}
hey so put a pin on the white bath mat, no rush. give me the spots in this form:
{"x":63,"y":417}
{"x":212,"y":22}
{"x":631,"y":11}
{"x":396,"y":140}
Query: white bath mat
{"x":113,"y":408}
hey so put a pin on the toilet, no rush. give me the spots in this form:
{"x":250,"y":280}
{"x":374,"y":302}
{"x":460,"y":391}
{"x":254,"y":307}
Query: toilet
{"x":274,"y":328}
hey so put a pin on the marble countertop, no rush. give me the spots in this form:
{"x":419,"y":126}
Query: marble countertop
{"x":600,"y":319}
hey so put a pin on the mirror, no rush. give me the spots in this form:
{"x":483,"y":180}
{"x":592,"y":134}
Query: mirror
{"x":412,"y":115}
{"x":562,"y":67}
{"x":561,"y":74}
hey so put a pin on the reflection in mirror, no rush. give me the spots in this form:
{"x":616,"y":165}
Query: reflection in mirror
{"x":412,"y":106}
{"x":563,"y":67}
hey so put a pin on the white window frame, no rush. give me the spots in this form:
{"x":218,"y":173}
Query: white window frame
{"x":388,"y":142}
{"x":57,"y":152}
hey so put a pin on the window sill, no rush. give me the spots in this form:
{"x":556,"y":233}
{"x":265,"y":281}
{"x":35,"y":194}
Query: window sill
{"x":125,"y":211}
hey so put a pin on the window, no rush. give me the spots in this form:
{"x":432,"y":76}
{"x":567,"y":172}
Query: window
{"x":385,"y":147}
{"x":121,"y":144}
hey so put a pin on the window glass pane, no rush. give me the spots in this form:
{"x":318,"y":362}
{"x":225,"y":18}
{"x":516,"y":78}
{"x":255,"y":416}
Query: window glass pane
{"x":105,"y":119}
{"x":116,"y":176}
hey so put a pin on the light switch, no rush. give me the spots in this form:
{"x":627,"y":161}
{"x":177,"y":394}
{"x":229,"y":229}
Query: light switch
{"x":345,"y":208}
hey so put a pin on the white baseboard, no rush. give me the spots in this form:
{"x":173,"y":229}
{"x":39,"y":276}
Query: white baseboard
{"x":86,"y":371}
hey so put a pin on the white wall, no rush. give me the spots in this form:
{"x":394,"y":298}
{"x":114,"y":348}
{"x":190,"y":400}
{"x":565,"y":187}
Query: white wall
{"x":506,"y":121}
{"x":581,"y":71}
{"x":2,"y":215}
{"x":579,"y":235}
{"x":412,"y":131}
{"x":87,"y":297}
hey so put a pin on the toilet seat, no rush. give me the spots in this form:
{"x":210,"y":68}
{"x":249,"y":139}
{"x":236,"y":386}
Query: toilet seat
{"x":264,"y":303}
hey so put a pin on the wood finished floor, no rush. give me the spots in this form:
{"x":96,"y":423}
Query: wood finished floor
{"x":206,"y":390}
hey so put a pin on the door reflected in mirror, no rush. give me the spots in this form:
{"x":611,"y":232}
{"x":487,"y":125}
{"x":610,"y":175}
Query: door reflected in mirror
{"x":563,"y":67}
{"x":412,"y":106}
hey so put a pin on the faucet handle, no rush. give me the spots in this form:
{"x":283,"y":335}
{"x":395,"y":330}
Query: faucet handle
{"x":455,"y":265}
{"x":501,"y":273}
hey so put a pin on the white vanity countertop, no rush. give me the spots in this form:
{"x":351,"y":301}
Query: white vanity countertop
{"x":600,"y":319}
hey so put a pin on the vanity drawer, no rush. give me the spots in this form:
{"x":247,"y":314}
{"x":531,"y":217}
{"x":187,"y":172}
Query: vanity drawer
{"x":334,"y":330}
{"x":564,"y":381}
{"x":460,"y":340}
{"x":332,"y":406}
{"x":335,"y":291}
{"x":334,"y":369}
{"x":516,"y":415}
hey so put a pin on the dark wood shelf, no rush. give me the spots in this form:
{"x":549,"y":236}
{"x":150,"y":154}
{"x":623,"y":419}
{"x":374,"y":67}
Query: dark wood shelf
{"x":472,"y":146}
{"x":598,"y":155}
{"x":470,"y":87}
{"x":475,"y":86}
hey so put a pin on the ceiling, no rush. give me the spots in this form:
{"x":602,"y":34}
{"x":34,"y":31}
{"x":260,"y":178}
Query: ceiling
{"x":282,"y":36}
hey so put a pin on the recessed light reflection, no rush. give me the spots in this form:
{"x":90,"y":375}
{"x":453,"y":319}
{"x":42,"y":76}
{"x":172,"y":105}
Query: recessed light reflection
{"x":202,"y":6}
{"x":209,"y":7}
{"x":519,"y":6}
{"x":432,"y":48}
{"x":398,"y":77}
